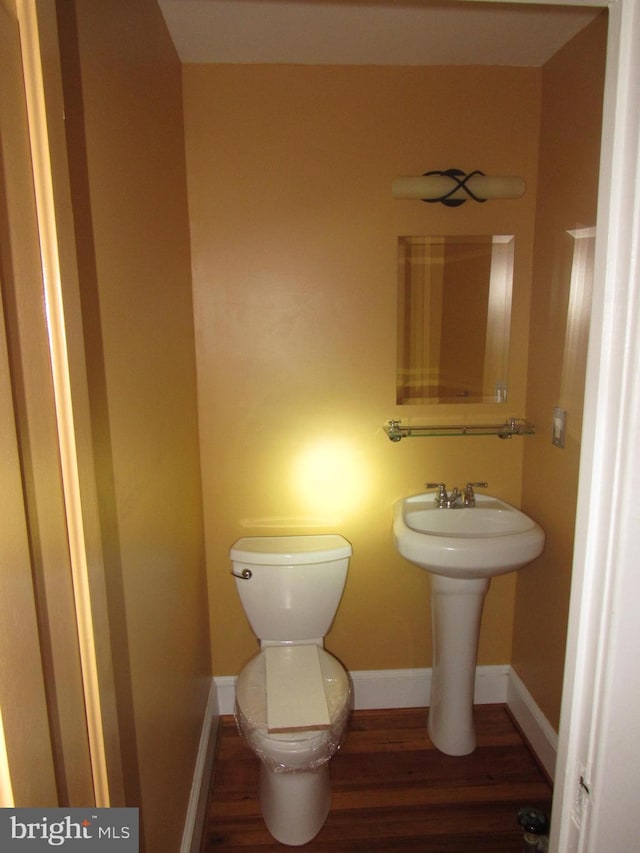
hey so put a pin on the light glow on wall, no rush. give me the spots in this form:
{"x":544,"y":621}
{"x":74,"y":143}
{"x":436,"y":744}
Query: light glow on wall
{"x":330,"y":479}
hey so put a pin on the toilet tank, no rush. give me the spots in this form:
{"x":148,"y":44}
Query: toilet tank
{"x":293,"y":586}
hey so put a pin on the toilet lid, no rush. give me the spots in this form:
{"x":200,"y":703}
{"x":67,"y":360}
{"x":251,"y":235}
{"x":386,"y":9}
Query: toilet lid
{"x":251,"y":696}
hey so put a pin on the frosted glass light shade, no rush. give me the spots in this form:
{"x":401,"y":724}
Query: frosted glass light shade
{"x":436,"y":187}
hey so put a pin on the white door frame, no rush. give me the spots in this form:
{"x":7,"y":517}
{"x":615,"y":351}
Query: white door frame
{"x":595,"y":800}
{"x":38,"y":35}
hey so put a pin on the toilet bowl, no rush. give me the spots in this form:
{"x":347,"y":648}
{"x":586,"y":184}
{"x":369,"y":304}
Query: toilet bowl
{"x":293,"y":699}
{"x":294,"y":786}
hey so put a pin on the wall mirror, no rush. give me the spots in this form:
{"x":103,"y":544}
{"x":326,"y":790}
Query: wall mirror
{"x":454,"y":315}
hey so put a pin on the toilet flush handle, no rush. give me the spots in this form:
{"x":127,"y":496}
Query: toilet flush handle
{"x":244,"y":575}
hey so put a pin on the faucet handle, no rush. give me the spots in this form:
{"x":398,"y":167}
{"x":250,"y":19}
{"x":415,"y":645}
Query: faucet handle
{"x":469,"y":497}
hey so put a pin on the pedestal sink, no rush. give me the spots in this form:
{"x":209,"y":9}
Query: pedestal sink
{"x":462,"y":548}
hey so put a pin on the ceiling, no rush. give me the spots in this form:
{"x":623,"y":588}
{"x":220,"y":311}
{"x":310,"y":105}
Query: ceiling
{"x":370,"y":32}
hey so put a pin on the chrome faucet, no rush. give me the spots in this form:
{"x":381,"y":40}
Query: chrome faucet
{"x":455,"y":495}
{"x":455,"y":498}
{"x":442,"y":499}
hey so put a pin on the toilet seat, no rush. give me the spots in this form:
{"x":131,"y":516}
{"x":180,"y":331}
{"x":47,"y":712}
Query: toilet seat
{"x":295,"y":750}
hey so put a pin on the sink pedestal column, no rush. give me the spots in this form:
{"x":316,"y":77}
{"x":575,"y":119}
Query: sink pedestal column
{"x":456,"y":610}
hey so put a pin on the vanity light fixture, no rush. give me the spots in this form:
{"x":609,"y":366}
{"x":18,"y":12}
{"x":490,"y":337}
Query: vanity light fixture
{"x":452,"y":187}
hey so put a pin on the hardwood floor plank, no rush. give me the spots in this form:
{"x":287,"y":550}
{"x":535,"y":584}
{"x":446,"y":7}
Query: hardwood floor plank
{"x":392,"y":790}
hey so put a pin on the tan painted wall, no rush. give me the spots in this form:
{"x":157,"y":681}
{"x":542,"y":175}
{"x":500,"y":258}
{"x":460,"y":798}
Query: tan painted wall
{"x":569,"y":159}
{"x":124,"y":113}
{"x":294,"y":255}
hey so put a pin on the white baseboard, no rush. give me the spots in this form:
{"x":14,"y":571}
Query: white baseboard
{"x":542,"y":737}
{"x":411,"y":688}
{"x":226,"y":685}
{"x":197,"y":806}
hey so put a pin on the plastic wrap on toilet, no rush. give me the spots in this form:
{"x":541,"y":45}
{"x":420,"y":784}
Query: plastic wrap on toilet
{"x":251,"y":719}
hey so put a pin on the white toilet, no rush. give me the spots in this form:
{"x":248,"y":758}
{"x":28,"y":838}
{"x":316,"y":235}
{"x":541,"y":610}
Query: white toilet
{"x":293,"y":699}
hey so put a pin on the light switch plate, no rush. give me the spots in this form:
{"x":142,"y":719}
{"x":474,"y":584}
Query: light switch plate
{"x":559,"y":426}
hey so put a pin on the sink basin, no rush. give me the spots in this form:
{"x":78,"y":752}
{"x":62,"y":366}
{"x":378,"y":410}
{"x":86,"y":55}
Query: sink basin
{"x":491,"y":538}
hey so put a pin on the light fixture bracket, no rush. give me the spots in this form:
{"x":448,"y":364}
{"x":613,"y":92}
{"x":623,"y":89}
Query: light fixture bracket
{"x":460,"y":183}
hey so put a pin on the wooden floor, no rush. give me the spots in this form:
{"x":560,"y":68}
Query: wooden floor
{"x":392,"y":790}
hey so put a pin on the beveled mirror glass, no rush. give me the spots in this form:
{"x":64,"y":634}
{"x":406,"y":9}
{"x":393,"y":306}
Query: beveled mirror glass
{"x":454,"y":314}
